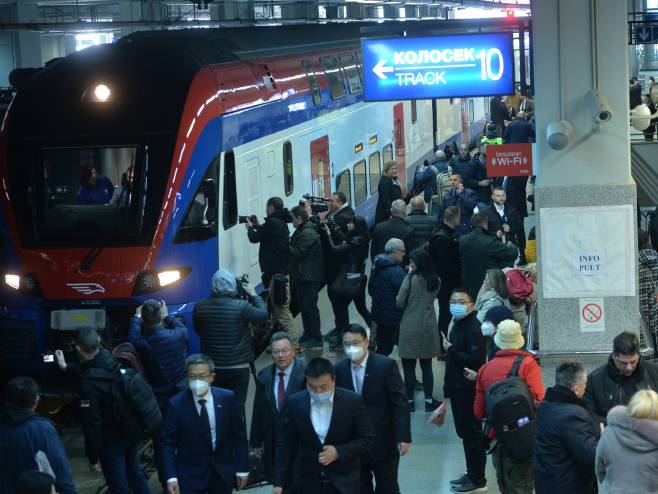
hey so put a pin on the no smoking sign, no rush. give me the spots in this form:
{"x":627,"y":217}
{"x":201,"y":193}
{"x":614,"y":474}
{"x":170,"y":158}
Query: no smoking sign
{"x":592,"y":315}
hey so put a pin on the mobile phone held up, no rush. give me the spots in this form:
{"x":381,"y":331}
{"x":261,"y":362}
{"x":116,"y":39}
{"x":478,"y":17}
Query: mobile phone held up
{"x":48,"y":358}
{"x":252,"y":219}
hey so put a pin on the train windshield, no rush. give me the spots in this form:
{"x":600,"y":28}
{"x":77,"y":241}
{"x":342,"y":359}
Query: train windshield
{"x":90,"y":197}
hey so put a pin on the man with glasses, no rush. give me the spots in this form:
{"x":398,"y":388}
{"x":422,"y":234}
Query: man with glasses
{"x":385,"y":281}
{"x":377,"y":379}
{"x":274,"y":385}
{"x":205,"y":436}
{"x":617,"y":381}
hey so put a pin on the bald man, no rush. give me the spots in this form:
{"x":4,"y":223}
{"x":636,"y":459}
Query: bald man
{"x":420,"y":223}
{"x":427,"y":178}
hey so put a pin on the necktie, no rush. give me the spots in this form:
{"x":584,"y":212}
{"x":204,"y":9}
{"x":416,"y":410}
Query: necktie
{"x":280,"y":392}
{"x":359,"y":378}
{"x":205,"y":419}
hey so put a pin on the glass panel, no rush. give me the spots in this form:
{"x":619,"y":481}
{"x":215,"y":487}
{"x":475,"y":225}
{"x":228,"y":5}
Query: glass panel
{"x":414,"y":112}
{"x":360,"y":185}
{"x":343,"y":184}
{"x":200,"y":222}
{"x":288,"y":180}
{"x":351,"y":71}
{"x":375,"y":170}
{"x":230,"y":197}
{"x":312,"y":81}
{"x":334,"y":75}
{"x":388,"y":153}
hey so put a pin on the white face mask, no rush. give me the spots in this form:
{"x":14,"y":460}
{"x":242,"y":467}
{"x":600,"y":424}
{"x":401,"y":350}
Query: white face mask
{"x":199,"y":387}
{"x":488,"y":329}
{"x":354,"y":352}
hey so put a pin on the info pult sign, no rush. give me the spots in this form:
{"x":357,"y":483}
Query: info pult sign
{"x":438,"y":67}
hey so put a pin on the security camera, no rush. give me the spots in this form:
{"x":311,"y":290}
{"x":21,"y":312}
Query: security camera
{"x":599,"y":107}
{"x":558,"y":134}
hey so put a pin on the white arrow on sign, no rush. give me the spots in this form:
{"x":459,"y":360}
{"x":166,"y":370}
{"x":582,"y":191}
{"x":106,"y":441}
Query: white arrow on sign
{"x":644,"y":34}
{"x":380,"y":70}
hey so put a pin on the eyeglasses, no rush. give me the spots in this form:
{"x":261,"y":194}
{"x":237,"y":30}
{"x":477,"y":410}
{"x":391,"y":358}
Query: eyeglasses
{"x":353,"y":343}
{"x":283,"y":351}
{"x":192,"y":377}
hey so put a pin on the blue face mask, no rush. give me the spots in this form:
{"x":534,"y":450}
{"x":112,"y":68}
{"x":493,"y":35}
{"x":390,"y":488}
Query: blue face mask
{"x":320,"y":398}
{"x":458,"y":311}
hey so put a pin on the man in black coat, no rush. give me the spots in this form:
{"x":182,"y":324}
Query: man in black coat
{"x":463,"y":165}
{"x":634,"y":92}
{"x":465,"y":349}
{"x":498,"y":114}
{"x":617,"y":381}
{"x":421,"y":223}
{"x":504,"y":220}
{"x":481,"y":251}
{"x":566,"y":436}
{"x":465,"y":199}
{"x":395,"y":227}
{"x":444,"y":250}
{"x":519,"y":131}
{"x":274,"y":254}
{"x":377,"y":379}
{"x":340,"y":211}
{"x":275,"y":384}
{"x":330,"y":429}
{"x":389,"y":190}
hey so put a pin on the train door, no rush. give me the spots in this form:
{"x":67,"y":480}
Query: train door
{"x":254,"y":205}
{"x":400,"y":151}
{"x":320,"y":164}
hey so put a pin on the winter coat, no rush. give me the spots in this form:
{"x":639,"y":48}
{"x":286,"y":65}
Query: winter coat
{"x":487,"y":300}
{"x":467,"y":170}
{"x":510,"y":217}
{"x":607,"y":387}
{"x":162,"y":351}
{"x":481,"y":251}
{"x":627,"y":454}
{"x":274,"y":239}
{"x":466,"y":202}
{"x":389,"y":191}
{"x":648,"y":268}
{"x":395,"y":227}
{"x":222,"y":323}
{"x":384,"y":285}
{"x":565,"y":444}
{"x":23,"y":433}
{"x":419,"y":337}
{"x":422,"y":226}
{"x":306,"y":257}
{"x":497,"y":369}
{"x":498,"y":111}
{"x":467,"y":350}
{"x":518,"y":132}
{"x":427,"y":178}
{"x":444,"y":251}
{"x":352,"y":253}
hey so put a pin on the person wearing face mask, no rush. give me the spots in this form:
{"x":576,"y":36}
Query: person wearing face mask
{"x":389,"y":190}
{"x":377,"y":379}
{"x":492,"y":318}
{"x":329,"y":428}
{"x":465,"y":349}
{"x":205,"y":437}
{"x":513,"y":477}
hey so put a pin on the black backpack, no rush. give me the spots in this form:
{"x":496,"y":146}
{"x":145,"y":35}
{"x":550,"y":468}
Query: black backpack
{"x":134,"y":406}
{"x":511,"y":413}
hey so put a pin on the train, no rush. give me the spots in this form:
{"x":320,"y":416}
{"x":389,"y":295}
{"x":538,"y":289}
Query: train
{"x":187,"y":130}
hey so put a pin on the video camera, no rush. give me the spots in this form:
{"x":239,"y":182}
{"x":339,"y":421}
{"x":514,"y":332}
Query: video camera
{"x":318,"y":204}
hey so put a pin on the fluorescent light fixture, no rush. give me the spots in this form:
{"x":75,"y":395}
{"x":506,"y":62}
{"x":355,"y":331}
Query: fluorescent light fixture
{"x":13,"y":280}
{"x":168,"y":277}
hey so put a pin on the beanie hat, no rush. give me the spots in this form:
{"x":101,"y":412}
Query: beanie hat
{"x":491,"y":127}
{"x":223,"y":281}
{"x":151,"y":313}
{"x":508,"y":336}
{"x":497,"y":314}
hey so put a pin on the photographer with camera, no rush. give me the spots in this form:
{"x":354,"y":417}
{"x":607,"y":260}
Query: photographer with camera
{"x":274,"y":258}
{"x":222,"y":323}
{"x":307,"y":274}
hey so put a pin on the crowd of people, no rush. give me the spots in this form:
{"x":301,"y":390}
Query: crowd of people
{"x":315,"y":426}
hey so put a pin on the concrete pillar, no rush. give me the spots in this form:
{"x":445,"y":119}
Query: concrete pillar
{"x":303,"y":10}
{"x":331,"y":11}
{"x":27,"y":44}
{"x":391,"y":12}
{"x":355,"y":11}
{"x":592,"y":170}
{"x":232,"y":10}
{"x":129,"y":11}
{"x":411,"y":11}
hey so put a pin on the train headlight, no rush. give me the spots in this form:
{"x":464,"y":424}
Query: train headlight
{"x":26,"y":284}
{"x":102,"y":93}
{"x":152,"y":281}
{"x":97,"y":93}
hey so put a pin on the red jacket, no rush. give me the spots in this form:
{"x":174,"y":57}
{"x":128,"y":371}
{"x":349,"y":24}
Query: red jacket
{"x":497,"y":369}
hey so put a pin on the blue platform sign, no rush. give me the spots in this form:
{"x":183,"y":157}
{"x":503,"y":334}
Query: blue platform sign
{"x":438,"y":67}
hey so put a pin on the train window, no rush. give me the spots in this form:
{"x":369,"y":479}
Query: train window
{"x":200,"y":222}
{"x":360,"y":184}
{"x":312,"y":81}
{"x":414,"y":112}
{"x":471,"y":112}
{"x":388,"y":153}
{"x":288,"y":180}
{"x":230,"y":195}
{"x":343,"y":184}
{"x":351,"y":72}
{"x":375,"y":171}
{"x":334,"y":75}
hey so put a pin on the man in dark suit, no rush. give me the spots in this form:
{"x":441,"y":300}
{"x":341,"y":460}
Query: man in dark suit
{"x":504,"y":220}
{"x":275,"y":384}
{"x":377,"y":379}
{"x":330,"y":429}
{"x":205,"y":437}
{"x":395,"y":227}
{"x":519,"y":131}
{"x":340,"y":211}
{"x":498,"y":114}
{"x":464,"y":199}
